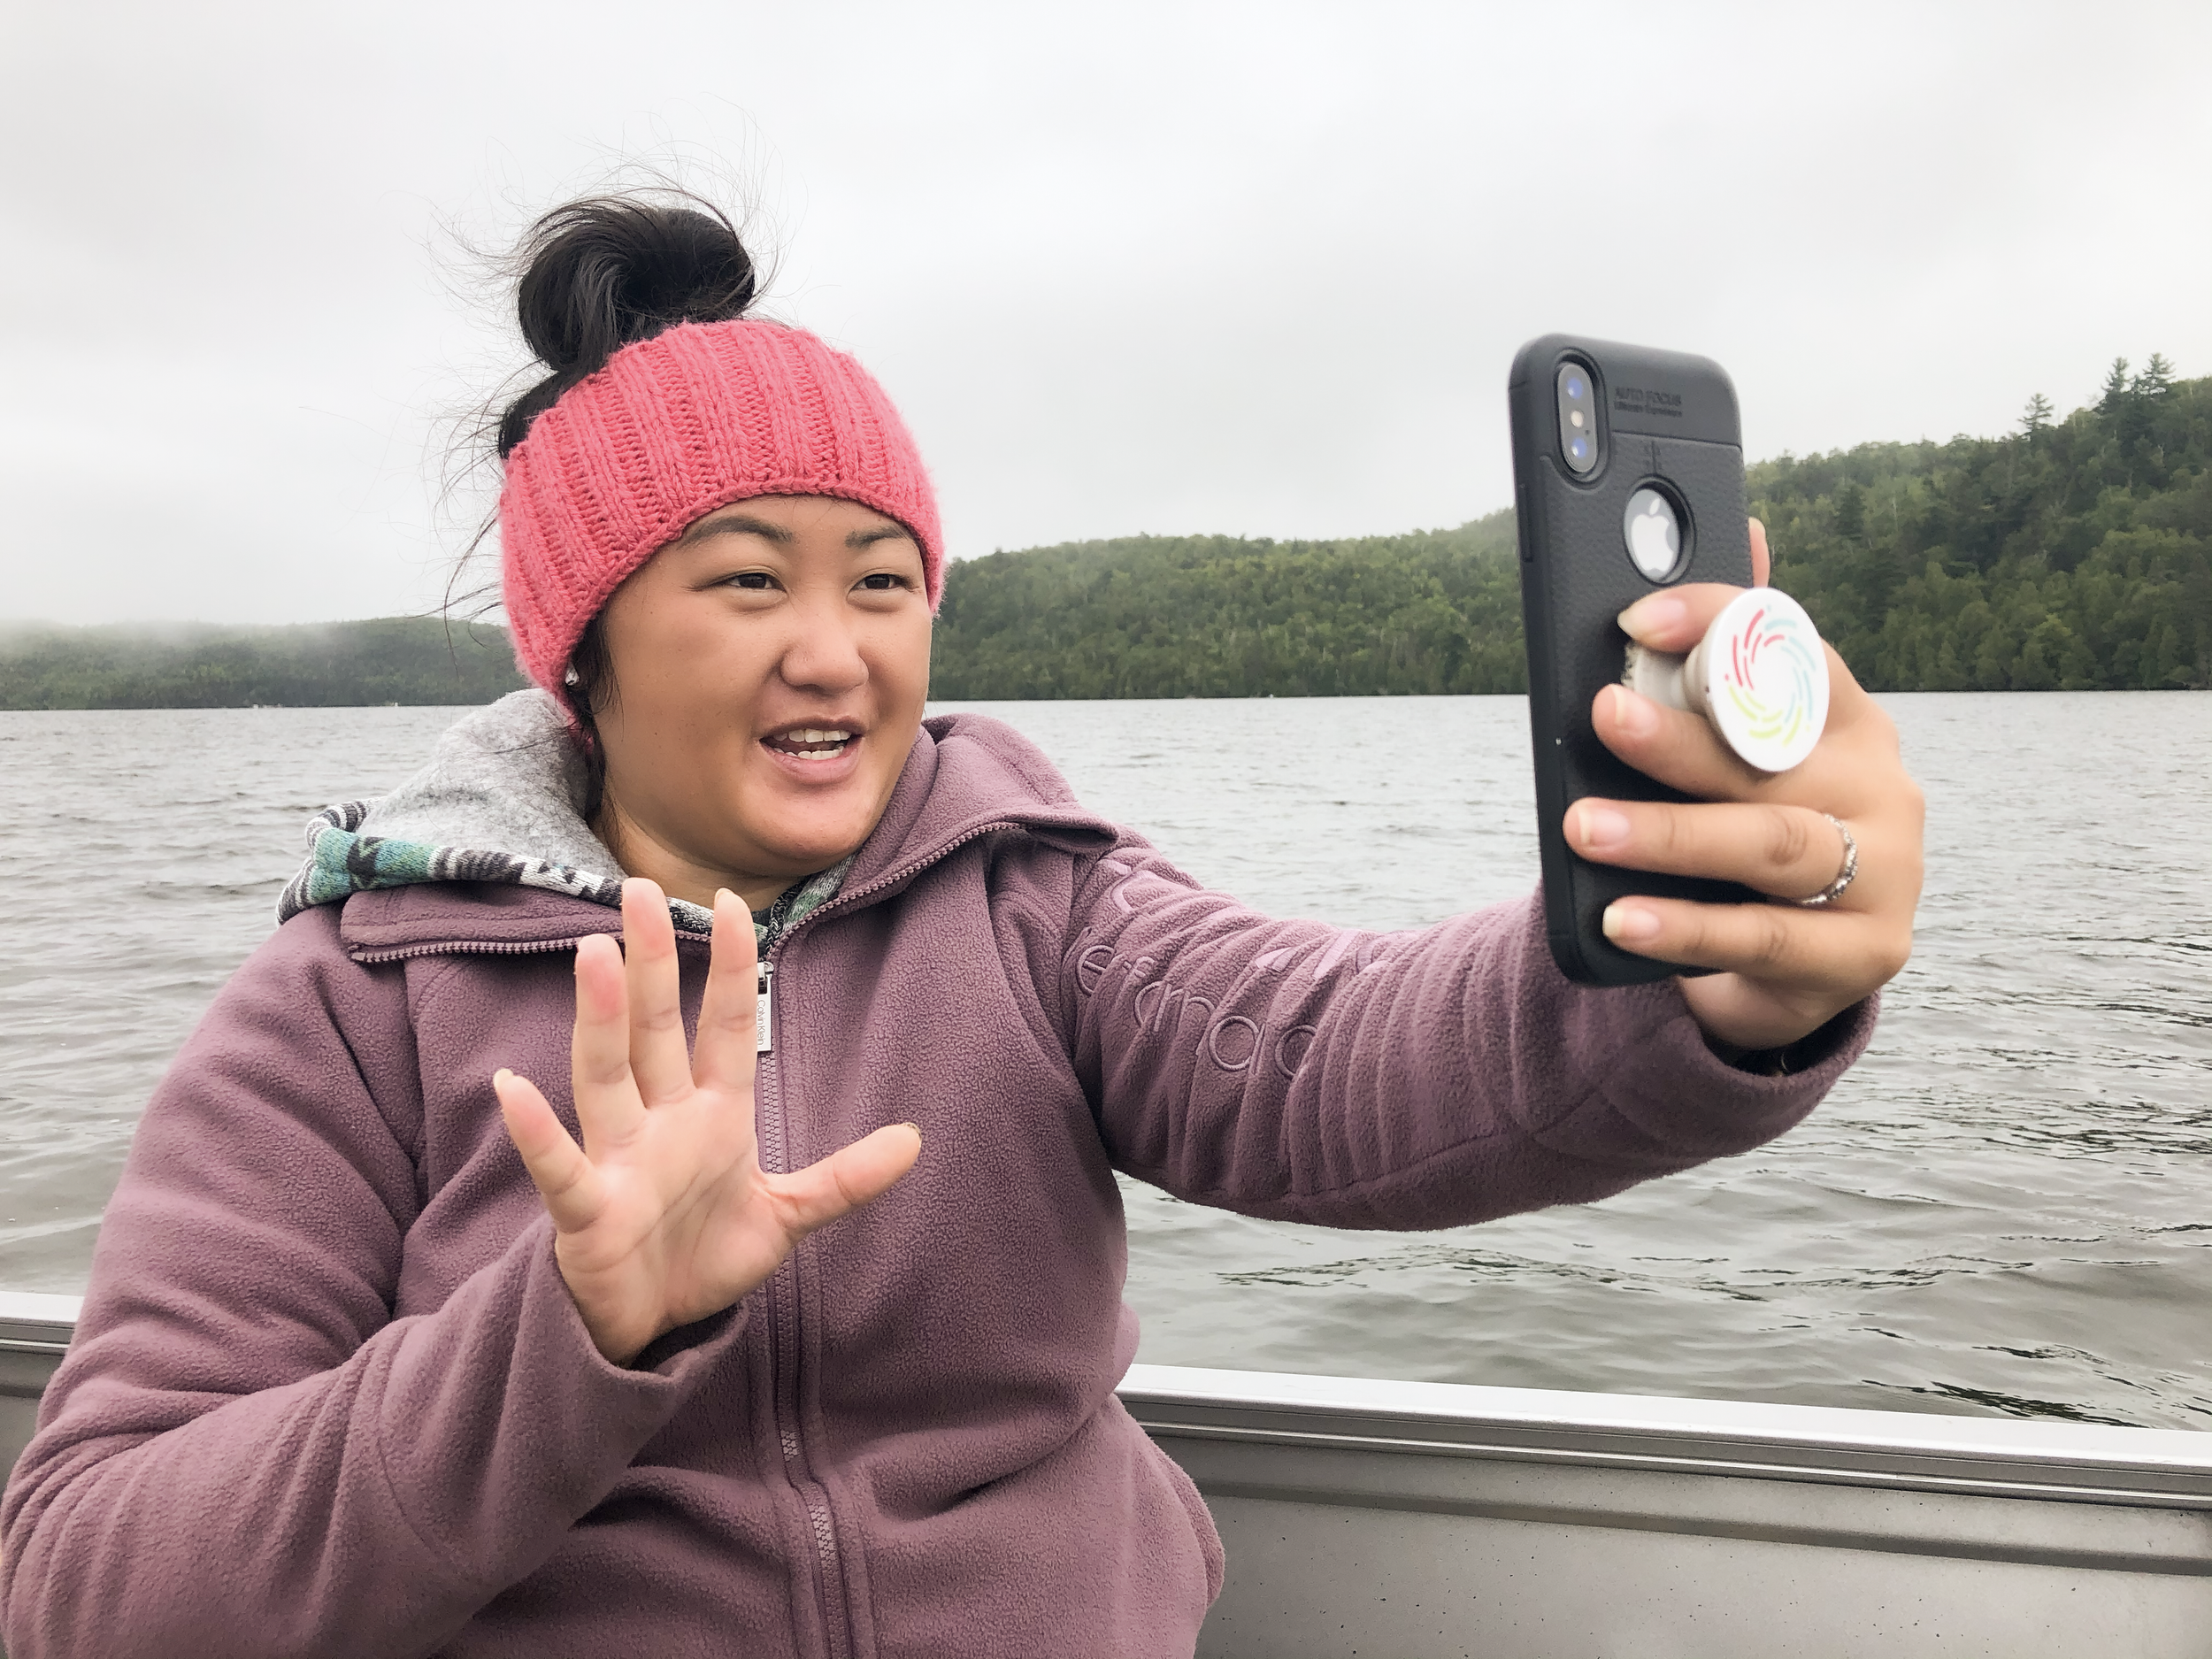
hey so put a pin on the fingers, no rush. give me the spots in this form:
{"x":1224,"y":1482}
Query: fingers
{"x":608,"y":1107}
{"x":1807,"y":950}
{"x":1787,"y":852}
{"x":1761,"y":564}
{"x":727,"y":1053}
{"x":1675,"y":747}
{"x":1675,"y":619}
{"x":843,"y":1181}
{"x":658,"y":1057}
{"x":559,"y":1169}
{"x":1682,"y":750}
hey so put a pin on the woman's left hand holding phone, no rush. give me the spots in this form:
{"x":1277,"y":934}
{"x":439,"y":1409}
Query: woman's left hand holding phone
{"x":664,"y":1215}
{"x":1782,"y":971}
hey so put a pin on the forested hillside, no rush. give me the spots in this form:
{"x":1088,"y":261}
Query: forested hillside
{"x":390,"y":659}
{"x":2073,"y":554}
{"x":1223,"y":617}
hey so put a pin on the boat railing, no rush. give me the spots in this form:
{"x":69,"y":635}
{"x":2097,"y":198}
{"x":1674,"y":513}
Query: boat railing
{"x":1413,"y":1519}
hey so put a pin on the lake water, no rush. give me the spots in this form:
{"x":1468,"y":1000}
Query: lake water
{"x":2006,"y":1208}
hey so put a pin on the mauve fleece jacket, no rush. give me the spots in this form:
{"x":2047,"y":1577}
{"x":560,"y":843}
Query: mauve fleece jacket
{"x":329,"y":1395}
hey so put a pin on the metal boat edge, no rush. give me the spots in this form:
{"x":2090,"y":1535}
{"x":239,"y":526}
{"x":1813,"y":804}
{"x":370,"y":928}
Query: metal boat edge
{"x":1423,"y":1519}
{"x":1906,"y":1451}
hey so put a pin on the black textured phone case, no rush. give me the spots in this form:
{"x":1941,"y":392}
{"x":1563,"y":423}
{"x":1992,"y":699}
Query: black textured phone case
{"x":1664,"y":417}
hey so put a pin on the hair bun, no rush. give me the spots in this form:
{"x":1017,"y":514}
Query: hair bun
{"x":603,"y":272}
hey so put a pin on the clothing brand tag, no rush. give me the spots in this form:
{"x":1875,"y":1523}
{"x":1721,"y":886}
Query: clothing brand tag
{"x":764,"y":1012}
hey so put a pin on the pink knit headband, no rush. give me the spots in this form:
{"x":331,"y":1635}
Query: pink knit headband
{"x":672,"y":428}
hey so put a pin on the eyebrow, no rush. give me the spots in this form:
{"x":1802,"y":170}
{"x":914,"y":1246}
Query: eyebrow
{"x":739,"y":524}
{"x":745,"y":523}
{"x":859,"y":539}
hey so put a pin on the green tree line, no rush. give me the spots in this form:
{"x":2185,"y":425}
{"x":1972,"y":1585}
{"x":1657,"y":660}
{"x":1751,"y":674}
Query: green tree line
{"x":390,"y":659}
{"x":1224,"y":617}
{"x":2070,"y":553}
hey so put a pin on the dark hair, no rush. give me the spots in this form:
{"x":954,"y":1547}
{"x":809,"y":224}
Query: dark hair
{"x":597,"y":274}
{"x":602,"y":272}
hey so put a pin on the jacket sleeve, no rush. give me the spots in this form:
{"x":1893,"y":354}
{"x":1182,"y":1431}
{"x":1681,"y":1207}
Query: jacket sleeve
{"x":1426,"y":1079}
{"x":243,"y":1452}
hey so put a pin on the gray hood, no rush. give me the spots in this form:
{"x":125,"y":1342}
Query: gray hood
{"x":501,"y":801}
{"x":507,"y":777}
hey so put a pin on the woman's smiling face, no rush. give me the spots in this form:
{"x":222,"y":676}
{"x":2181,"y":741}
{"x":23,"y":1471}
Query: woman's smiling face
{"x":769,"y":668}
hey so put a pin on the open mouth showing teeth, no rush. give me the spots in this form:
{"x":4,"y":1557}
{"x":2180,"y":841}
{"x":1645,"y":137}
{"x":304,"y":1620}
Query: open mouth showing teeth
{"x":810,"y":742}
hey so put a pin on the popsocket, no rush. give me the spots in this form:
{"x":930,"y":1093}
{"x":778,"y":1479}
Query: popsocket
{"x":1759,"y":675}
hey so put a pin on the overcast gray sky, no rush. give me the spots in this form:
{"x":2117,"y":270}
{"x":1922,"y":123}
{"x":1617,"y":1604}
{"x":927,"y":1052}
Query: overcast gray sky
{"x":1256,"y":269}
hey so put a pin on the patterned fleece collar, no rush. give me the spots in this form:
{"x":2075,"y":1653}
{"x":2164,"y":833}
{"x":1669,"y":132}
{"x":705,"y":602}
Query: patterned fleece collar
{"x":506,"y":777}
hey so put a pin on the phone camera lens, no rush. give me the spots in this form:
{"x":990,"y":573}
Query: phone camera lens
{"x":1575,"y":390}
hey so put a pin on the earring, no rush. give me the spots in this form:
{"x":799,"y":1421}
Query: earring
{"x":572,"y":677}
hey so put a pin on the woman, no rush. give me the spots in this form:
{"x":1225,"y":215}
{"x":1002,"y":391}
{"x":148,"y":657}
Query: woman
{"x":391,"y":1348}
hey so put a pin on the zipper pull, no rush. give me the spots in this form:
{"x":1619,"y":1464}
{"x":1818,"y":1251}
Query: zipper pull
{"x":764,"y":1011}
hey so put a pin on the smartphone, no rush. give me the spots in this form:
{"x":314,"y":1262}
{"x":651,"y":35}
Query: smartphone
{"x":1627,"y":478}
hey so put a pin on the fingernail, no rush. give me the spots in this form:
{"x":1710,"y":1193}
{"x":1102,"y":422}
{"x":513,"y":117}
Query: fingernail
{"x":1601,"y":828}
{"x":1654,"y":613}
{"x":915,"y":1127}
{"x":500,"y":1076}
{"x":1627,"y":924}
{"x":1633,"y":712}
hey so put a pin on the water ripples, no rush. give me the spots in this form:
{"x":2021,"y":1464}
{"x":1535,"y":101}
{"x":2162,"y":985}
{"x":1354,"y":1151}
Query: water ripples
{"x":2004,"y":1209}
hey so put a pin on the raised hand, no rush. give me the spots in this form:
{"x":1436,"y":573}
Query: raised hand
{"x":1784,"y":972}
{"x":664,"y":1215}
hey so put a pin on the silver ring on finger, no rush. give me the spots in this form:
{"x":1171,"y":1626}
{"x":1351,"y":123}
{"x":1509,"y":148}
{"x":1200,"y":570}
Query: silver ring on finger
{"x":1845,"y":876}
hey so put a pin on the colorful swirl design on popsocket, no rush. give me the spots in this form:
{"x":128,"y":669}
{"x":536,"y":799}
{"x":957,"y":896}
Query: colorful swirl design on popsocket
{"x":1768,"y":673}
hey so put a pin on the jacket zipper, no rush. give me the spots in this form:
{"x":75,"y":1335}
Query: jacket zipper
{"x":468,"y":947}
{"x":491,"y":947}
{"x":783,"y":1330}
{"x":774,"y":1153}
{"x":782,"y":1287}
{"x":783,"y":1283}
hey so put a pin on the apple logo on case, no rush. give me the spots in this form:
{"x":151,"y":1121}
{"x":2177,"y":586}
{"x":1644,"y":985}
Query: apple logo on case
{"x":1654,"y":533}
